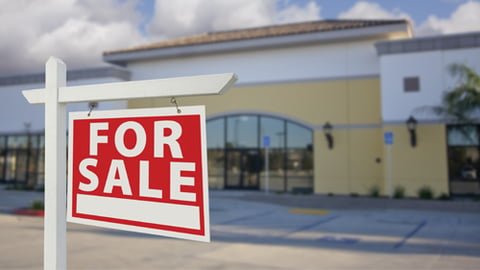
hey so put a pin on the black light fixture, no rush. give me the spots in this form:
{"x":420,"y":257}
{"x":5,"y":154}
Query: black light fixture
{"x":412,"y":129}
{"x":327,"y":128}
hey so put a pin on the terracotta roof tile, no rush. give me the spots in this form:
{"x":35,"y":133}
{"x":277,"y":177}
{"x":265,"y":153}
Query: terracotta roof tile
{"x":262,"y":32}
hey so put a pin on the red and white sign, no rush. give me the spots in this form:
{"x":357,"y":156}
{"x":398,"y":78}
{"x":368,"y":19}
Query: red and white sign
{"x":142,"y":170}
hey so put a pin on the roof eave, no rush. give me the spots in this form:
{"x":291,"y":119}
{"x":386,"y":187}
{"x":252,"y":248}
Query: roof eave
{"x":429,"y":43}
{"x":122,"y":58}
{"x":72,"y":75}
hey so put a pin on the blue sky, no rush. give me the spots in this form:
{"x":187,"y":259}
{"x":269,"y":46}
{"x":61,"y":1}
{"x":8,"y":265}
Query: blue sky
{"x":78,"y":31}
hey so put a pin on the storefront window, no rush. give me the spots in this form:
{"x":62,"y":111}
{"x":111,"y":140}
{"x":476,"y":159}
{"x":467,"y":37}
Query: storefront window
{"x":216,"y":153}
{"x":242,"y":131}
{"x":462,"y":135}
{"x":300,"y":158}
{"x":237,"y":154}
{"x":274,"y":128}
{"x":463,"y":160}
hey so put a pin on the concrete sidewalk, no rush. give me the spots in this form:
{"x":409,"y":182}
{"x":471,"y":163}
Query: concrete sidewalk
{"x":288,"y":232}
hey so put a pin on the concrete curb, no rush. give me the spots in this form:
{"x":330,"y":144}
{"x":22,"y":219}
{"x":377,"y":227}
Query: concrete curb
{"x":361,"y":203}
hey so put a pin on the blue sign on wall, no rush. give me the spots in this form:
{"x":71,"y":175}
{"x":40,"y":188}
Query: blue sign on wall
{"x":388,"y":137}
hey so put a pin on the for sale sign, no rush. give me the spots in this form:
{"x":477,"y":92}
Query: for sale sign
{"x":140,"y":170}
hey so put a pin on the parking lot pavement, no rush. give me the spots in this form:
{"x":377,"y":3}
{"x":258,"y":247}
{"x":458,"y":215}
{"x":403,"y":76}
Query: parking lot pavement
{"x":259,"y":235}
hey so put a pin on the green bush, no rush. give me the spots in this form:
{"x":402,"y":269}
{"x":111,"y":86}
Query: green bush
{"x":444,"y":197}
{"x":37,"y":205}
{"x":374,"y":191}
{"x":399,"y":192}
{"x":425,"y":193}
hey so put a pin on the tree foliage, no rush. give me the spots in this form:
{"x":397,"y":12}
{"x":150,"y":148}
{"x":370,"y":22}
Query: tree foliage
{"x":463,"y":102}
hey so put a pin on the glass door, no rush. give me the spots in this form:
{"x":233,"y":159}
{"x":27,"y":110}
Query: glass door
{"x":242,"y":169}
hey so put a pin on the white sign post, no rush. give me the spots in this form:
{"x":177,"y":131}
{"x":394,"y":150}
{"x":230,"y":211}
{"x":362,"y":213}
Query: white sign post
{"x":55,"y":96}
{"x":266,"y":145}
{"x":388,"y":140}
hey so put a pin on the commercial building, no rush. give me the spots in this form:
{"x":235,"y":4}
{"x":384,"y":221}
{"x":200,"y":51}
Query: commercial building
{"x":321,"y":96}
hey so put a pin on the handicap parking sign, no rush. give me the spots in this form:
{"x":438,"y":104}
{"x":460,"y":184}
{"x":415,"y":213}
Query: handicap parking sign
{"x":388,"y":138}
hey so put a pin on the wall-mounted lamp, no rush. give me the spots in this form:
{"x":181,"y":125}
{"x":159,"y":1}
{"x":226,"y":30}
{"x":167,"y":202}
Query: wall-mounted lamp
{"x":412,"y":129}
{"x":327,"y":128}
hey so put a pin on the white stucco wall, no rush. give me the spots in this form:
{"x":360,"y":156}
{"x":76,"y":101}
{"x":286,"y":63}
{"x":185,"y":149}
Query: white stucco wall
{"x":312,"y":62}
{"x":432,"y":69}
{"x":16,"y":111}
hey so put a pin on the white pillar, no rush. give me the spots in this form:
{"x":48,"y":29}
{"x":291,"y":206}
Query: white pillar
{"x":55,"y":243}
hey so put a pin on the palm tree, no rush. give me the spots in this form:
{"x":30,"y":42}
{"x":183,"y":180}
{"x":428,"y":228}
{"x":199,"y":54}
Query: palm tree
{"x":462,"y":103}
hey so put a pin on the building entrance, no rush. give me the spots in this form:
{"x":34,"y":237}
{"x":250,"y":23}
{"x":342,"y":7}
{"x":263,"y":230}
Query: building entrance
{"x":464,"y":160}
{"x":242,"y":168}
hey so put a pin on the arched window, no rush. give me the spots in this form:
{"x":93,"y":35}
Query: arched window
{"x":237,"y":147}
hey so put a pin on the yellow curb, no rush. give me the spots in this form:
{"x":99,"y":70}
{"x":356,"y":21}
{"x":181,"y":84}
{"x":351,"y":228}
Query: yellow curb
{"x":309,"y":211}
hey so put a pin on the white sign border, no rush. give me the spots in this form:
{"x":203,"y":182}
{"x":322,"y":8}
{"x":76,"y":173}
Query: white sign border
{"x":167,"y":111}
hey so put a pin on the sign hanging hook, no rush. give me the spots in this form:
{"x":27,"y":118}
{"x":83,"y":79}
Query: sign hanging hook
{"x":91,"y":106}
{"x":174,"y":101}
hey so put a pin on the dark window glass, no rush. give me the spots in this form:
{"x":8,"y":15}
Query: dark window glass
{"x":298,"y":136}
{"x":238,"y":160}
{"x":300,"y":159}
{"x":275,"y":130}
{"x":463,"y":160}
{"x":17,"y":142}
{"x":466,"y":135}
{"x":242,"y":131}
{"x":411,"y":84}
{"x":216,"y":133}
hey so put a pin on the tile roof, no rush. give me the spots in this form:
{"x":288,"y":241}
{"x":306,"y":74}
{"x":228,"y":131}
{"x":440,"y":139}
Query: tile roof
{"x":262,"y":32}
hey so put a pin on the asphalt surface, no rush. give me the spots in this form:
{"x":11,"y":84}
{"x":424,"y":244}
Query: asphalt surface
{"x":253,"y":230}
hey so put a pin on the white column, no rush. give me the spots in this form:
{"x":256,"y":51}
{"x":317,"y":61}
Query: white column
{"x":55,"y":243}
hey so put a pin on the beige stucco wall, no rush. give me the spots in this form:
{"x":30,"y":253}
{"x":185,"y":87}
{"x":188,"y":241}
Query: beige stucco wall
{"x":357,"y":161}
{"x":423,"y":165}
{"x":353,"y":166}
{"x":341,"y":102}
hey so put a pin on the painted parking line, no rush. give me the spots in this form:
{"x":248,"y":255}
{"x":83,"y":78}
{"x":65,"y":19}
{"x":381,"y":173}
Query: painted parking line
{"x":339,"y":240}
{"x":410,"y":235}
{"x":313,"y":224}
{"x":247,"y":217}
{"x":309,"y":211}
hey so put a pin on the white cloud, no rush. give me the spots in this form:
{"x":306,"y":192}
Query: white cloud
{"x":464,"y":19}
{"x":181,"y":18}
{"x":78,"y":31}
{"x":82,"y":42}
{"x":295,"y":13}
{"x":370,"y":10}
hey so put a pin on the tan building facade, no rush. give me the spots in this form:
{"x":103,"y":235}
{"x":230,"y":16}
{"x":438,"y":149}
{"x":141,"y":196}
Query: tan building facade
{"x":328,"y":101}
{"x":293,"y":80}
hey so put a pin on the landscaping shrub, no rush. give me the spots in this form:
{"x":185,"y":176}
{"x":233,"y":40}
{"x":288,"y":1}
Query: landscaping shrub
{"x":37,"y":205}
{"x":425,"y":193}
{"x":399,"y":192}
{"x":374,"y":191}
{"x":444,"y":197}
